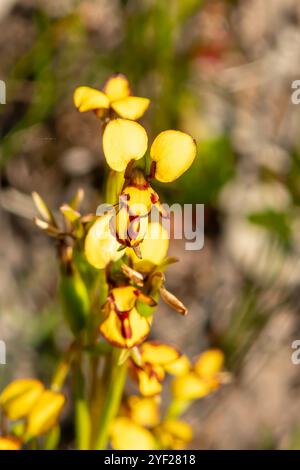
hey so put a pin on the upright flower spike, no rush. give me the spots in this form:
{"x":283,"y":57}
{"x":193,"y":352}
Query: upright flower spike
{"x":155,"y":359}
{"x":123,"y":326}
{"x":19,"y":397}
{"x":45,"y":414}
{"x":115,"y":96}
{"x":203,"y":378}
{"x":101,"y":247}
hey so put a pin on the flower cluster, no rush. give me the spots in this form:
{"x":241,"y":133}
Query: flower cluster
{"x":128,"y":311}
{"x":112,"y":276}
{"x":140,"y":419}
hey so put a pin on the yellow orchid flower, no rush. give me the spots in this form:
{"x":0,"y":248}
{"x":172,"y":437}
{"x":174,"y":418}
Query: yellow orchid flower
{"x":10,"y":443}
{"x":115,"y":96}
{"x":128,"y":435}
{"x":101,"y":247}
{"x":172,"y":152}
{"x":174,"y":434}
{"x":19,"y":397}
{"x":136,"y":201}
{"x":203,"y":378}
{"x":123,"y":326}
{"x":139,"y":427}
{"x":156,"y":357}
{"x":45,"y":413}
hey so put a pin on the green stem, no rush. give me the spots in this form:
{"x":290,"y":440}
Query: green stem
{"x":63,"y":367}
{"x":82,"y":415}
{"x":112,"y":400}
{"x":114,"y":186}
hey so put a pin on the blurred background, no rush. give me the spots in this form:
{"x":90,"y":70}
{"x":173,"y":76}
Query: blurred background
{"x":221,"y":71}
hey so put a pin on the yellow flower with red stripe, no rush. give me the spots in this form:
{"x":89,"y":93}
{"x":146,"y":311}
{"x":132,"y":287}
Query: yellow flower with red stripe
{"x":155,"y":360}
{"x":130,"y":223}
{"x":115,"y":97}
{"x":123,"y":326}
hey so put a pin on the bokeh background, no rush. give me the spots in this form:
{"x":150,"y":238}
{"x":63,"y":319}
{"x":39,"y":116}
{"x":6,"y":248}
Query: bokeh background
{"x":222,"y":71}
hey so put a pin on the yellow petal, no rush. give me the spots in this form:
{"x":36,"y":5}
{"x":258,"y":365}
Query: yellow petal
{"x":174,"y":434}
{"x":158,"y":353}
{"x":125,"y":331}
{"x":100,"y":246}
{"x":154,"y":248}
{"x":149,"y":380}
{"x":117,"y":87}
{"x":88,"y":99}
{"x":178,"y":367}
{"x":131,"y":107}
{"x":173,"y":152}
{"x":127,"y":435}
{"x":209,"y":363}
{"x":18,"y":398}
{"x":144,"y":411}
{"x":123,"y":141}
{"x":190,"y":387}
{"x":45,"y":413}
{"x":124,"y":298}
{"x":10,"y":443}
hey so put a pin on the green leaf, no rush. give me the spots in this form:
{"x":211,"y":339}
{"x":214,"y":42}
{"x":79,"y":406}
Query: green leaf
{"x":75,"y":300}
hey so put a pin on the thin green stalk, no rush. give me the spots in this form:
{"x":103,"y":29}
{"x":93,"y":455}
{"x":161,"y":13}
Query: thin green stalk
{"x":63,"y":367}
{"x":82,"y":415}
{"x":114,"y":186}
{"x":52,"y":439}
{"x":112,"y":400}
